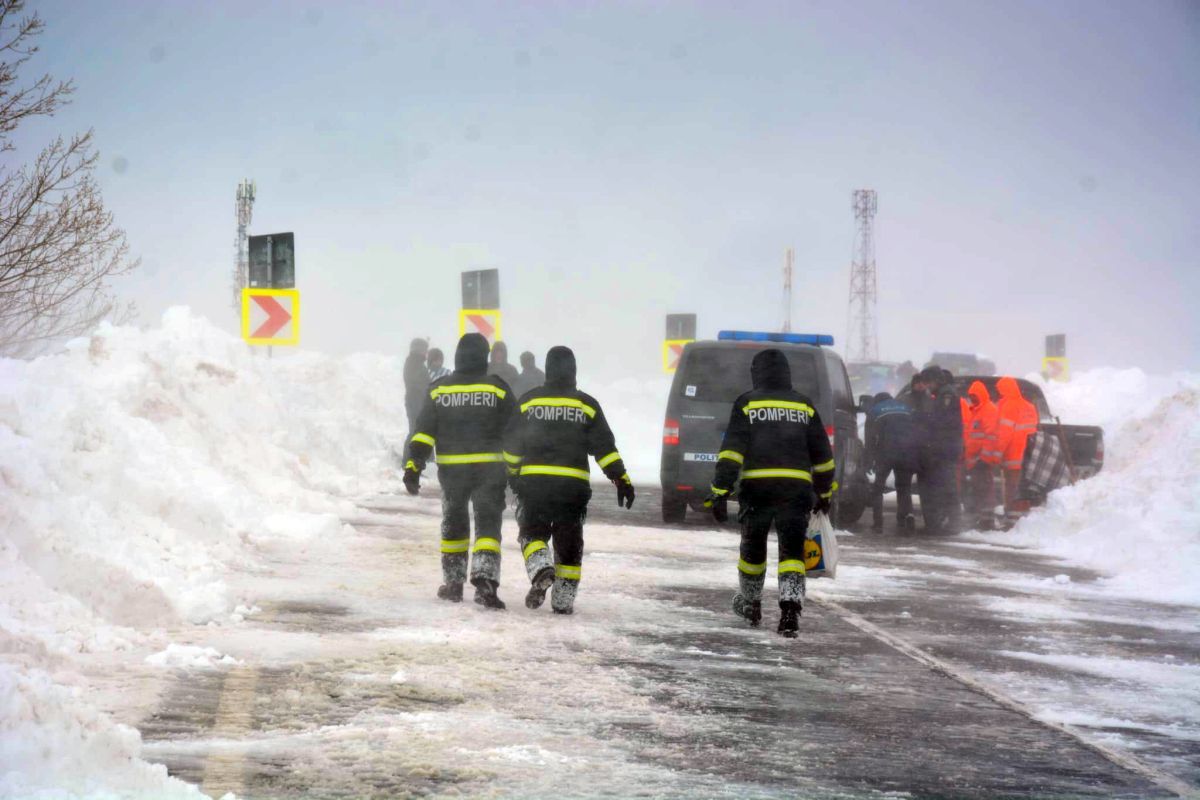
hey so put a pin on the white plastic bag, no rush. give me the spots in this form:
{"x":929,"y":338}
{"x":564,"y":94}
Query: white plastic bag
{"x":820,"y":548}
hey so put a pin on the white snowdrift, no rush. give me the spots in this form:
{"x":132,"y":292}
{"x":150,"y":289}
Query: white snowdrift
{"x":1138,"y":521}
{"x":136,"y":469}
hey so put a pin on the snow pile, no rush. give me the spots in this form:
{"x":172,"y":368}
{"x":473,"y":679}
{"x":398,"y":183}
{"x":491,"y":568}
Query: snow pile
{"x":136,"y":469}
{"x":53,"y":746}
{"x":1138,"y":521}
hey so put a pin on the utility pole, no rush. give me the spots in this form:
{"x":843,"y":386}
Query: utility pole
{"x":862,"y":330}
{"x":244,"y":210}
{"x":787,"y":290}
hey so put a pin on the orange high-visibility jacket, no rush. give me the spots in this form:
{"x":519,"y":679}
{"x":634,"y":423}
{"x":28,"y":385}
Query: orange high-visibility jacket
{"x":983,"y":419}
{"x":1018,"y":421}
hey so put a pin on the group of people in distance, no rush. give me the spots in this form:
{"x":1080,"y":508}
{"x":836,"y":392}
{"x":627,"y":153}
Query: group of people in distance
{"x":954,"y":446}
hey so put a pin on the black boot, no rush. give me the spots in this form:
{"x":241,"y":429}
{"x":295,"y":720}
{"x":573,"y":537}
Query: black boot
{"x":451,"y":592}
{"x":789,"y":619}
{"x":541,"y":583}
{"x":750,"y":610}
{"x":485,"y":594}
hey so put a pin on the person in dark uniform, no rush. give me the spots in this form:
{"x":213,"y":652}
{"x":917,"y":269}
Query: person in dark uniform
{"x":547,"y":445}
{"x":416,"y":381}
{"x":464,"y":418}
{"x":499,"y":366}
{"x":531,"y":377}
{"x":892,"y":448}
{"x":776,"y":443}
{"x":938,"y":413}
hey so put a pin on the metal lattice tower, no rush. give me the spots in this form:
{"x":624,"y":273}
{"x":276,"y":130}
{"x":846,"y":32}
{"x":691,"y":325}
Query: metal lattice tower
{"x":787,"y":290}
{"x":245,"y":210}
{"x":862,"y":331}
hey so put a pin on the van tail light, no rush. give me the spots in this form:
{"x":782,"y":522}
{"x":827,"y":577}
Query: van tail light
{"x":829,"y":433}
{"x":671,"y":431}
{"x":1100,"y":453}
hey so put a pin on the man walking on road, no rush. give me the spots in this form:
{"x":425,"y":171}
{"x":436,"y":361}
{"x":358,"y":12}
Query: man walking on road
{"x":464,"y":419}
{"x":547,"y":447}
{"x":777,"y":442}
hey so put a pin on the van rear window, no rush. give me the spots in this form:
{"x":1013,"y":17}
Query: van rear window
{"x":719,"y":375}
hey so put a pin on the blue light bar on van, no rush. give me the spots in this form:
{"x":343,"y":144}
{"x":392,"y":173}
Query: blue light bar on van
{"x":783,"y":338}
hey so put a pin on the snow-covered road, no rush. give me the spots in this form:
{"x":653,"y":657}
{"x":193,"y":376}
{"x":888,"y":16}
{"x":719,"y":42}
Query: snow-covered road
{"x":353,"y":681}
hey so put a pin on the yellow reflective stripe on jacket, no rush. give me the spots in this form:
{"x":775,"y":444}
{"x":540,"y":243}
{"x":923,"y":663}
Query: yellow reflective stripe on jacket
{"x":455,"y":545}
{"x":533,"y":547}
{"x":608,"y":459}
{"x":410,"y":464}
{"x":486,"y":544}
{"x":563,"y":472}
{"x":464,"y":388}
{"x":732,"y":455}
{"x":424,"y":438}
{"x":751,"y":569}
{"x":797,"y":474}
{"x":569,"y":573}
{"x":791,"y":565}
{"x":469,"y":458}
{"x":718,"y":492}
{"x":805,"y":407}
{"x":570,"y":402}
{"x":828,"y":465}
{"x":510,"y":458}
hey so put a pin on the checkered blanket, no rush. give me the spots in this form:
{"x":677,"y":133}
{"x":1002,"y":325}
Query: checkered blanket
{"x":1045,"y":466}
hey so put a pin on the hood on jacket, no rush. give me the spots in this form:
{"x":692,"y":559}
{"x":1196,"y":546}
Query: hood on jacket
{"x":978,"y":392}
{"x":499,"y":353}
{"x":560,"y":368}
{"x":770,"y":371}
{"x":471,"y":355}
{"x":1008,"y":388}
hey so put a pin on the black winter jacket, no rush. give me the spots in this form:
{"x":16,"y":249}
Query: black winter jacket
{"x":555,"y":429}
{"x":775,"y":440}
{"x":464,"y":415}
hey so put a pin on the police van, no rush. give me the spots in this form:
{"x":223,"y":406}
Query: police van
{"x":712,"y":374}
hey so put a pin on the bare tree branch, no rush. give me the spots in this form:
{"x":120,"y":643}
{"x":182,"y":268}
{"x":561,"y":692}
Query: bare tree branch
{"x":59,"y":245}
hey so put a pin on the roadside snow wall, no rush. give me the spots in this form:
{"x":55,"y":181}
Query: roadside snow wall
{"x":1138,"y":521}
{"x":136,"y":469}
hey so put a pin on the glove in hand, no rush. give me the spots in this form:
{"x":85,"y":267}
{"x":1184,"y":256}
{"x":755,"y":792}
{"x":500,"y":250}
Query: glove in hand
{"x":412,"y":480}
{"x":824,"y":505}
{"x":625,"y":493}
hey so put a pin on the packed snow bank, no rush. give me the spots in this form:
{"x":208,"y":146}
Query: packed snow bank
{"x":53,"y":746}
{"x":1138,"y":521}
{"x":137,"y":468}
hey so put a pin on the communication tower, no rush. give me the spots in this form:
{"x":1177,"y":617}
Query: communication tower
{"x":862,"y":332}
{"x":245,"y":210}
{"x":787,"y":290}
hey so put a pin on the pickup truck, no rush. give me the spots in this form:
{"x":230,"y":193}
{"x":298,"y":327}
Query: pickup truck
{"x":1085,"y":443}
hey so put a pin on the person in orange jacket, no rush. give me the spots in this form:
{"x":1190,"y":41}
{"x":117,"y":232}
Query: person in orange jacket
{"x":981,"y":454}
{"x":1018,"y":421}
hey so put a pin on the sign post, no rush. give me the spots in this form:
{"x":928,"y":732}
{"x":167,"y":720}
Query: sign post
{"x":480,"y":311}
{"x":271,"y":302}
{"x":1055,"y":366}
{"x":681,"y":329}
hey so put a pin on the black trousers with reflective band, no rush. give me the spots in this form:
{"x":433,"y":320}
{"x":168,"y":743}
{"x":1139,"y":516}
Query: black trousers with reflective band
{"x":466,"y":488}
{"x":551,"y":521}
{"x":790,"y":518}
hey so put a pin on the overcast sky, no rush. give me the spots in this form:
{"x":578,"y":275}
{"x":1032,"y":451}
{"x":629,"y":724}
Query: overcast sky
{"x":1036,"y":164}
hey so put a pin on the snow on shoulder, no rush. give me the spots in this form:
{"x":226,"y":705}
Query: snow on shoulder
{"x":1138,"y":521}
{"x":137,"y":468}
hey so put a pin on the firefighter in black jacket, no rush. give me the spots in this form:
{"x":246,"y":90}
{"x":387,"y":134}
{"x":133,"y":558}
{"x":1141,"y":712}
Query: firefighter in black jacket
{"x":464,"y":418}
{"x":547,"y":446}
{"x":776,"y":440}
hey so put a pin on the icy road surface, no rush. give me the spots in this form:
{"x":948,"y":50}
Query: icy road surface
{"x":354,"y":681}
